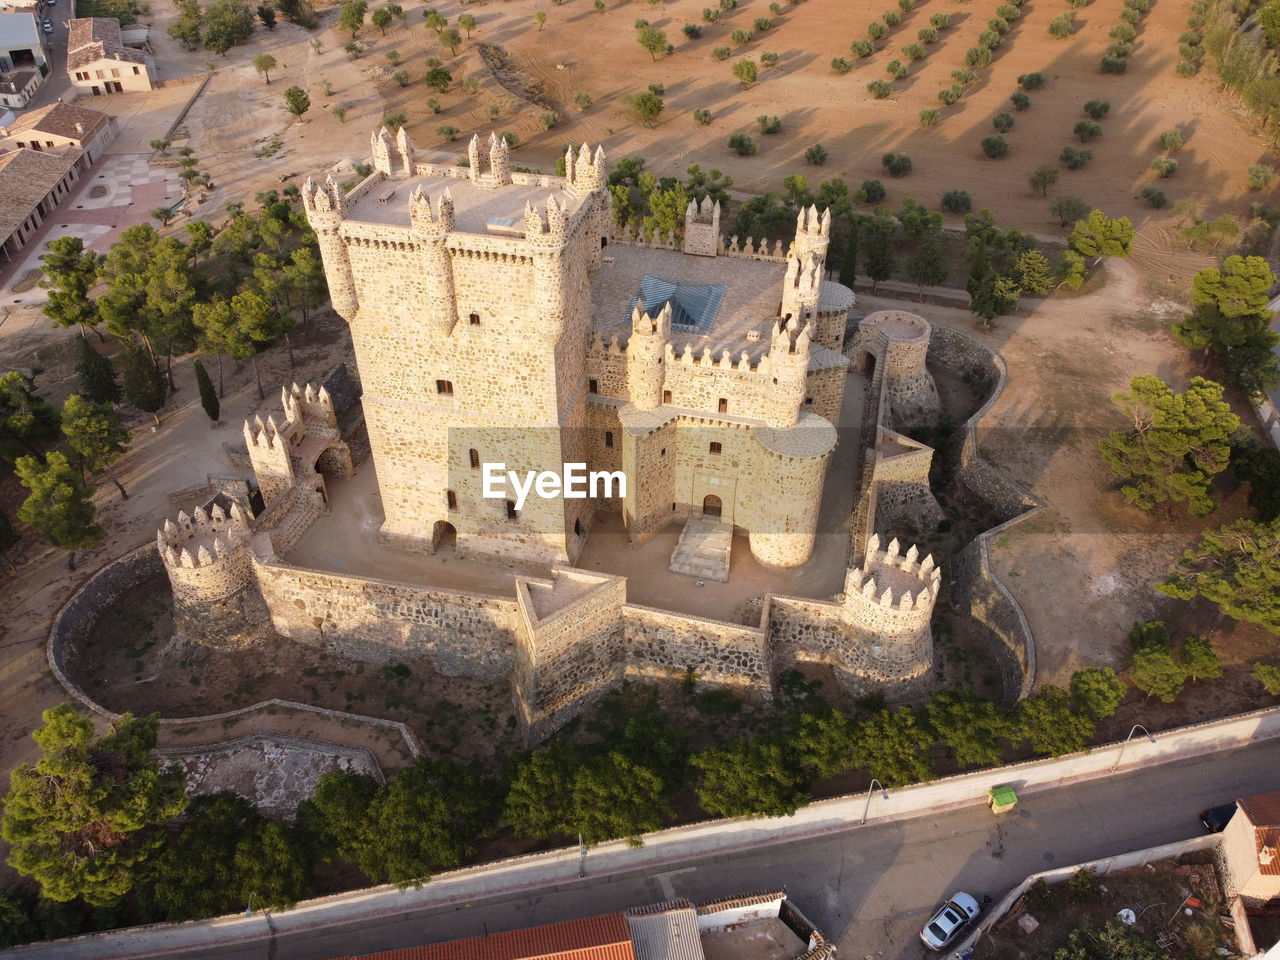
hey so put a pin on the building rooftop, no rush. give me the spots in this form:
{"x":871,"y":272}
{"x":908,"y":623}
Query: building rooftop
{"x":60,"y":120}
{"x":475,"y":207}
{"x":665,"y":931}
{"x":91,"y":39}
{"x":591,"y":938}
{"x":26,"y":177}
{"x":1263,"y":811}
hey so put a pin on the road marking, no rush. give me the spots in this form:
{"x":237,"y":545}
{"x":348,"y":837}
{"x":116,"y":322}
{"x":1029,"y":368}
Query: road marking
{"x":664,"y":881}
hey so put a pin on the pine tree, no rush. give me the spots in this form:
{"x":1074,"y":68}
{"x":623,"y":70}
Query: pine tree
{"x":95,"y":435}
{"x":928,"y":265}
{"x":59,"y":506}
{"x":97,"y":374}
{"x":208,"y":395}
{"x":144,"y":384}
{"x":879,"y":249}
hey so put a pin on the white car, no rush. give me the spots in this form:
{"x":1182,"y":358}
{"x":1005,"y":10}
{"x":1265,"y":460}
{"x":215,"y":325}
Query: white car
{"x":48,"y":26}
{"x":952,"y":918}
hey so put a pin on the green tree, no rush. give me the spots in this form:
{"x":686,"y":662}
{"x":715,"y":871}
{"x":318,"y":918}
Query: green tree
{"x":84,"y":819}
{"x":822,"y":741}
{"x":1046,"y":720}
{"x":540,"y":17}
{"x":1031,"y":270}
{"x":1157,"y":673}
{"x":1260,"y":469}
{"x":144,"y":385}
{"x":1099,"y":236}
{"x":333,"y":817}
{"x":1230,"y":321}
{"x":95,"y":435}
{"x":452,"y":39}
{"x":1237,"y":568}
{"x":199,"y":238}
{"x":1269,"y":676}
{"x":264,"y":63}
{"x":24,"y":416}
{"x":467,"y":22}
{"x":971,"y":726}
{"x":749,"y":778}
{"x":195,"y":873}
{"x":894,"y":746}
{"x":652,"y":40}
{"x":1097,"y":691}
{"x":877,"y":243}
{"x":271,"y":863}
{"x":992,"y":294}
{"x":1199,"y":659}
{"x":645,"y":107}
{"x":267,"y":16}
{"x":1043,"y":178}
{"x":745,"y":72}
{"x":296,"y":100}
{"x":70,"y":271}
{"x":927,"y":265}
{"x":1176,"y":442}
{"x":381,"y":19}
{"x":58,"y":505}
{"x":226,"y":24}
{"x":1068,"y":208}
{"x":187,"y":28}
{"x":96,"y":373}
{"x":351,"y":16}
{"x":208,"y":395}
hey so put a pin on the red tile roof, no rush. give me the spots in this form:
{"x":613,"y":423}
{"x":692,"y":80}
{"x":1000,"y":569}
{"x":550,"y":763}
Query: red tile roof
{"x":605,"y":937}
{"x":1263,"y":811}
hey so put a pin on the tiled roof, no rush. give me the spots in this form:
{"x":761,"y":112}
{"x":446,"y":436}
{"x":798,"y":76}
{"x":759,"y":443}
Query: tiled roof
{"x":592,"y":938}
{"x":60,"y":119}
{"x":97,"y":38}
{"x":665,"y":931}
{"x":1263,"y":811}
{"x":26,"y":177}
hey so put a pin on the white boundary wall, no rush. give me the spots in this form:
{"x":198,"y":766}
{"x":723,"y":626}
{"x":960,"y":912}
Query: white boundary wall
{"x":720,"y":837}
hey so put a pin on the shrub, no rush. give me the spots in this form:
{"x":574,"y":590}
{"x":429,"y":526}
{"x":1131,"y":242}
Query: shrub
{"x":775,"y":9}
{"x":989,"y":39}
{"x":1187,"y":52}
{"x":1164,"y":167}
{"x":995,"y":147}
{"x":998,"y":25}
{"x":702,"y":117}
{"x":762,"y":23}
{"x":1260,"y":175}
{"x":401,"y":77}
{"x":740,"y":37}
{"x":1096,"y":109}
{"x":896,"y":164}
{"x":1020,"y":101}
{"x":1003,"y":122}
{"x":709,"y":15}
{"x":447,"y":133}
{"x":929,"y":117}
{"x":640,"y":24}
{"x":914,"y":51}
{"x":721,"y":53}
{"x":906,"y":6}
{"x":582,"y":100}
{"x":1031,"y":81}
{"x":1142,"y":6}
{"x":862,"y":48}
{"x":877,"y":30}
{"x":940,"y":21}
{"x":1007,"y":11}
{"x":1186,"y":69}
{"x":1114,"y":64}
{"x":768,"y":125}
{"x":872,"y":191}
{"x":743,"y":145}
{"x":879,"y":89}
{"x":746,"y":72}
{"x":840,"y":65}
{"x":691,"y":30}
{"x":1154,"y":196}
{"x":1097,"y":691}
{"x":395,"y":120}
{"x":549,"y":120}
{"x":816,"y":155}
{"x":949,"y":95}
{"x":964,"y":77}
{"x":927,"y":35}
{"x":1170,"y":141}
{"x":512,"y":139}
{"x":768,"y":59}
{"x":896,"y":69}
{"x":1087,"y":130}
{"x":1130,"y":16}
{"x":891,"y":18}
{"x":1122,"y":31}
{"x":1060,"y":26}
{"x":1073,"y":158}
{"x":957,"y":201}
{"x":1268,"y":676}
{"x":433,"y":105}
{"x":1190,"y":37}
{"x":728,"y":4}
{"x":977,"y":57}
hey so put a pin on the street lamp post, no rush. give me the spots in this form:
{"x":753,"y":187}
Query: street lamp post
{"x":1136,"y":728}
{"x":884,"y":795}
{"x":248,"y":911}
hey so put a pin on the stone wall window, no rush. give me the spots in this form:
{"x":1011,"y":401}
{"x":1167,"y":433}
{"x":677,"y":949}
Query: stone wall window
{"x":475,"y":319}
{"x":452,"y":497}
{"x":593,"y":386}
{"x":715,"y":447}
{"x":663,"y":452}
{"x":474,"y":455}
{"x":577,"y":528}
{"x":608,"y":438}
{"x":723,"y":405}
{"x":512,"y":512}
{"x":444,"y":388}
{"x":666,"y":396}
{"x":808,"y":401}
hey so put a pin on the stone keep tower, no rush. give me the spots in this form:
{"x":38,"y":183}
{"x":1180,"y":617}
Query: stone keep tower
{"x":702,"y":228}
{"x":470,"y":336}
{"x":216,"y":598}
{"x":899,"y":342}
{"x":891,"y":597}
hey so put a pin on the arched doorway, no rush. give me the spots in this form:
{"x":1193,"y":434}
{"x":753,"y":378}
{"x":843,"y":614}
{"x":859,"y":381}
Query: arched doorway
{"x":444,"y":534}
{"x":711,"y":505}
{"x":868,"y":364}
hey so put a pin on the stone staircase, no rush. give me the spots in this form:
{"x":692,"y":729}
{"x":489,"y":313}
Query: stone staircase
{"x":703,"y":550}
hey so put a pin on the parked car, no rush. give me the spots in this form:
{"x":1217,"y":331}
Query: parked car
{"x":48,"y":26}
{"x":1215,"y":819}
{"x":952,"y":918}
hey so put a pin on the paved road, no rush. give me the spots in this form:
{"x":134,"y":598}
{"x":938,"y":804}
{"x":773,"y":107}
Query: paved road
{"x":870,"y":888}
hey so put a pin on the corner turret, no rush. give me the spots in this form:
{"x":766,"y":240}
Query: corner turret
{"x":788,"y":364}
{"x":380,"y":147}
{"x":646,"y":354}
{"x":702,"y":228}
{"x":325,"y":208}
{"x":404,"y":147}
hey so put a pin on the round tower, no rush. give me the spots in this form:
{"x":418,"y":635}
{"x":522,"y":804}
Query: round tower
{"x":439,"y":303}
{"x":646,"y":356}
{"x":786,"y":489}
{"x":900,"y":341}
{"x":889,"y":602}
{"x":216,"y":598}
{"x":789,"y":366}
{"x":546,"y":239}
{"x":835,"y":300}
{"x":325,"y":208}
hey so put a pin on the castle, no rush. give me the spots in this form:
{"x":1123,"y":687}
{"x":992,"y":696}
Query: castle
{"x":501,"y":317}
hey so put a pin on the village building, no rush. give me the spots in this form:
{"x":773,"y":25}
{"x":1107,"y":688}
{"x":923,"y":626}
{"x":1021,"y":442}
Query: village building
{"x":99,"y":62}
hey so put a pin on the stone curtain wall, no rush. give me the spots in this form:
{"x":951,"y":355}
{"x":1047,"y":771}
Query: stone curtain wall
{"x":662,"y":644}
{"x":381,"y":620}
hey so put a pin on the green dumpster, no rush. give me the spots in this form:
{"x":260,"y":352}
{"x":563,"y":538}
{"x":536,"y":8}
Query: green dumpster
{"x":1001,"y":799}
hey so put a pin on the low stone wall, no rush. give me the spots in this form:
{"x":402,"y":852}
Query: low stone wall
{"x":663,"y":644}
{"x":382,"y":620}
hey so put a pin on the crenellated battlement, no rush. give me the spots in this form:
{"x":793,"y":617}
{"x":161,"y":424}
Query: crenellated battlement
{"x":308,"y":406}
{"x":324,"y":201}
{"x":549,"y":227}
{"x":427,"y":223}
{"x":894,"y":581}
{"x":204,"y":538}
{"x":584,"y":172}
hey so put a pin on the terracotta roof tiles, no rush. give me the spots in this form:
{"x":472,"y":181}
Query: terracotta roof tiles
{"x":604,"y":937}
